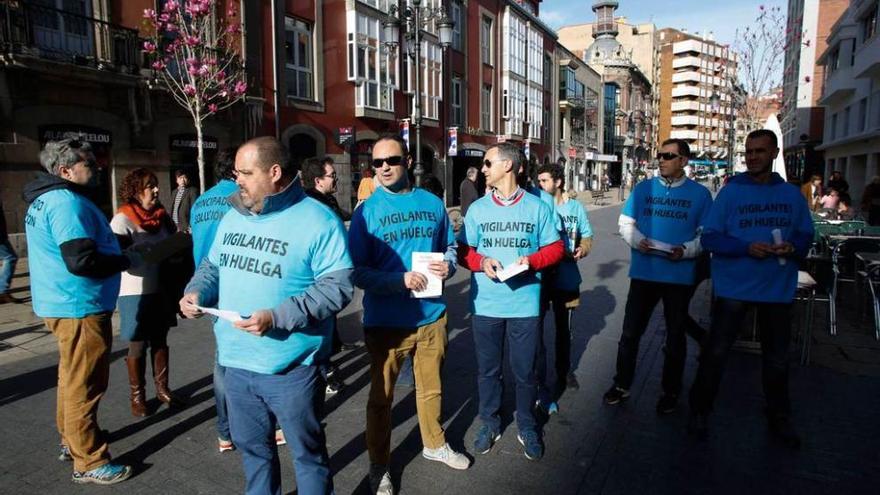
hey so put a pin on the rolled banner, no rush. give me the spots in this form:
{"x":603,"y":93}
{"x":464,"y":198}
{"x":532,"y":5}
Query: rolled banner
{"x":777,"y":239}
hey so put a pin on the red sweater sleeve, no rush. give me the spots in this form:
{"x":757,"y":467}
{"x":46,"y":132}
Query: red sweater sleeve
{"x":469,"y":258}
{"x":548,"y":255}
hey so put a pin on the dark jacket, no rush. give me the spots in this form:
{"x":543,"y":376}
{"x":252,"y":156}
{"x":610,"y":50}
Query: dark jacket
{"x":330,"y":201}
{"x":3,"y":234}
{"x":469,"y":194}
{"x":189,"y":196}
{"x":81,"y":256}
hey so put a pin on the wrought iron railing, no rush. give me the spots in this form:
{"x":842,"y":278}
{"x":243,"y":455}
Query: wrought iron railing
{"x":45,"y":32}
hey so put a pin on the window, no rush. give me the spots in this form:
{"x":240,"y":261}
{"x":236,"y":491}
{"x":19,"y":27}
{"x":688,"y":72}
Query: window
{"x":833,"y":127}
{"x":371,"y":65}
{"x":536,"y":56}
{"x":846,"y":118}
{"x":869,"y":23}
{"x":458,"y":30}
{"x":486,"y":40}
{"x":863,"y":115}
{"x":298,"y":58}
{"x":486,"y":108}
{"x":548,"y":73}
{"x":457,"y":114}
{"x":377,"y":4}
{"x":516,"y":41}
{"x":431,"y":58}
{"x":514,"y":106}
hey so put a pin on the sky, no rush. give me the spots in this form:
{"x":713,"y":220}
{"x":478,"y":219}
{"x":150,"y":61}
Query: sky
{"x":721,"y":17}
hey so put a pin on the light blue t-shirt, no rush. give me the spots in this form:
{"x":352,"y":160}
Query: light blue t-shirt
{"x":671,"y":215}
{"x":385,"y":230}
{"x":205,"y":216}
{"x":506,"y":233}
{"x":575,"y":226}
{"x":745,"y":212}
{"x":52,"y":219}
{"x":264,"y":259}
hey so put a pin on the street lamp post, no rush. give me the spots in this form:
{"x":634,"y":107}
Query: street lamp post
{"x":415,"y":17}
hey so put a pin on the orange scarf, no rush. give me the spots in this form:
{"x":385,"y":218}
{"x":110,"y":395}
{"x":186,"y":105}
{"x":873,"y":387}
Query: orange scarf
{"x":151,"y":220}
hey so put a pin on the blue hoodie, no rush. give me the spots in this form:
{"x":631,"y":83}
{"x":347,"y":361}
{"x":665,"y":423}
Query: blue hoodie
{"x":744,"y":212}
{"x":205,"y":216}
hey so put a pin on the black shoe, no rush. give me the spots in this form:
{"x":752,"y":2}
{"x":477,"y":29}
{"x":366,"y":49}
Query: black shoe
{"x":615,"y":395}
{"x":781,"y":429}
{"x":571,"y":382}
{"x":698,"y":426}
{"x":667,"y":404}
{"x":348,"y":347}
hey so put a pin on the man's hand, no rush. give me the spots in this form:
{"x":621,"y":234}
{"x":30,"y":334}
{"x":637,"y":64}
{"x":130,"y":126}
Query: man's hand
{"x":644,"y":246}
{"x":258,"y":324}
{"x":578,"y":253}
{"x":523,"y":260}
{"x":761,"y":250}
{"x":676,"y":254}
{"x":490,"y":267}
{"x":439,"y":268}
{"x":188,"y":305}
{"x":784,"y":249}
{"x":415,"y":281}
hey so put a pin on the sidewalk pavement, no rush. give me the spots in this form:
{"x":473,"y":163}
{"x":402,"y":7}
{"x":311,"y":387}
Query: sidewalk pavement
{"x":591,"y":448}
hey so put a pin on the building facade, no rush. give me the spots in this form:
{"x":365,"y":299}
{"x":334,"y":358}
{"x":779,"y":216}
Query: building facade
{"x":851,"y":96}
{"x":801,"y":116}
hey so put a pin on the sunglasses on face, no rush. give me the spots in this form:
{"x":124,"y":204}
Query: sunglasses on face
{"x":667,"y":156}
{"x":390,"y":160}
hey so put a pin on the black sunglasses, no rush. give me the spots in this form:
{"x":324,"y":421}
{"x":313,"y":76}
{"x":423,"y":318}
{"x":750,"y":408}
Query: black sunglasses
{"x":667,"y":156}
{"x":390,"y":160}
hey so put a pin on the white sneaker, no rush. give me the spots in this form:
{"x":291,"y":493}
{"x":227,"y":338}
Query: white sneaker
{"x":380,"y":480}
{"x":447,"y":456}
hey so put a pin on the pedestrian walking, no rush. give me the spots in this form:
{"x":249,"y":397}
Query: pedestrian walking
{"x":144,"y":313}
{"x":397,"y":224}
{"x":507,"y":230}
{"x":9,"y":259}
{"x":758,"y":230}
{"x":279,"y":262}
{"x":74,"y":262}
{"x":560,"y":289}
{"x":205,"y":215}
{"x":184,"y":195}
{"x":661,"y":223}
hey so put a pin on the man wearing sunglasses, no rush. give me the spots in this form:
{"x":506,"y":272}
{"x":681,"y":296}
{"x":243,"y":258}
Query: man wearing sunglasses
{"x":396,"y":221}
{"x":505,"y":228}
{"x":661,"y":222}
{"x":75,"y":262}
{"x":759,"y":229}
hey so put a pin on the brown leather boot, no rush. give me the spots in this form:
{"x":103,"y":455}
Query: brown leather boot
{"x":136,"y":370}
{"x":160,"y":377}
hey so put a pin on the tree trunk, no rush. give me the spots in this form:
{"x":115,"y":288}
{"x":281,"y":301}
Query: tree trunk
{"x":201,"y":154}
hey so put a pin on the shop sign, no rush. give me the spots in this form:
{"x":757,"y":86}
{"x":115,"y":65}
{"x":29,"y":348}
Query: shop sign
{"x":453,"y":141}
{"x":344,"y":136}
{"x":188,"y":142}
{"x":91,"y":135}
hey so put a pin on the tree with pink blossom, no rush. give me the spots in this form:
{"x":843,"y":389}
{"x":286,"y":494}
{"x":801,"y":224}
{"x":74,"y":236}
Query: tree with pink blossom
{"x":195,"y":55}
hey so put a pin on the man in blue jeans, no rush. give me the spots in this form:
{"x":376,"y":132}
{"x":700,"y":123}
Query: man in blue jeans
{"x":758,"y":230}
{"x":279,"y":262}
{"x":506,"y":229}
{"x":8,"y":258}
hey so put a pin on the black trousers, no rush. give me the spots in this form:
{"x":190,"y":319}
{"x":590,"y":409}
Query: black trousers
{"x":774,"y":323}
{"x":642,"y":298}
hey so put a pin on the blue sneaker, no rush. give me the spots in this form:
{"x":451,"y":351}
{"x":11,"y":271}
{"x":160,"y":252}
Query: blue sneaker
{"x":549,"y":407}
{"x":107,"y":474}
{"x":486,"y":438}
{"x":532,"y":446}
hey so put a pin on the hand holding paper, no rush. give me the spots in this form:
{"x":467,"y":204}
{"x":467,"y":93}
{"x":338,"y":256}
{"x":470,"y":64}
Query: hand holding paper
{"x":777,"y":240}
{"x":421,"y":263}
{"x":227,"y":315}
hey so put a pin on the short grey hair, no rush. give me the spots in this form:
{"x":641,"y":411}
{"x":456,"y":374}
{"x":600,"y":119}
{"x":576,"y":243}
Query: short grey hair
{"x":512,"y":152}
{"x":65,"y":153}
{"x":472,"y":172}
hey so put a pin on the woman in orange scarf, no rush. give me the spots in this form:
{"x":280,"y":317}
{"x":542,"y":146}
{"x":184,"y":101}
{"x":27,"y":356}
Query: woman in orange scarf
{"x":144,"y":319}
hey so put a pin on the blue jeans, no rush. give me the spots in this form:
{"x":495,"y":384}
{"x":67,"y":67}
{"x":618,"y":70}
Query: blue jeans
{"x":293,"y":397}
{"x":9,"y":258}
{"x":220,"y":401}
{"x":522,"y":341}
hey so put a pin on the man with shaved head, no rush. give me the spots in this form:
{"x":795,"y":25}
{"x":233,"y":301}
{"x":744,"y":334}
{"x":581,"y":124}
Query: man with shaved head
{"x":279,"y":260}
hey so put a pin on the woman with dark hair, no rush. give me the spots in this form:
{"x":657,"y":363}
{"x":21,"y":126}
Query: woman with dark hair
{"x":144,"y":316}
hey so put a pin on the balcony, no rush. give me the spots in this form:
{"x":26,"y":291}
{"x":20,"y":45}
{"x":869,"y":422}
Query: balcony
{"x":688,"y":91}
{"x":687,"y":46}
{"x":683,"y":106}
{"x":688,"y":134}
{"x":839,"y":85}
{"x":29,"y":30}
{"x":686,"y":120}
{"x":867,"y":60}
{"x":680,"y":62}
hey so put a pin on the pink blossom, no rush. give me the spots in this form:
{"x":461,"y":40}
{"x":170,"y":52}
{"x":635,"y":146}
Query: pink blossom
{"x":192,"y":41}
{"x":149,"y":47}
{"x":171,"y":5}
{"x":220,"y":77}
{"x":164,"y":17}
{"x":233,"y":29}
{"x":149,"y":14}
{"x":212,"y":108}
{"x":158,"y":65}
{"x":193,"y":71}
{"x":240,"y":88}
{"x":189,"y":90}
{"x":204,"y":70}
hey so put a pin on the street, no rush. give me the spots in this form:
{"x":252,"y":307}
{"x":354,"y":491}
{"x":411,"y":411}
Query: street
{"x":591,"y":448}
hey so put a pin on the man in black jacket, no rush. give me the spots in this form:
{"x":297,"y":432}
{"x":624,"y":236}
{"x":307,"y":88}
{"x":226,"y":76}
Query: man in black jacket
{"x":319,"y":179}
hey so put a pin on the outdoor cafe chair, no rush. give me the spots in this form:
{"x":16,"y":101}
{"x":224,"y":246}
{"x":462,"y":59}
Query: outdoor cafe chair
{"x":872,"y":275}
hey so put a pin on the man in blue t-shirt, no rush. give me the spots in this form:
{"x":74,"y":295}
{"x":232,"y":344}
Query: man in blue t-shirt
{"x":75,"y":262}
{"x":661,"y":222}
{"x":279,"y":263}
{"x":205,"y":215}
{"x":560,"y":289}
{"x":394,"y":225}
{"x":507,"y":231}
{"x":759,"y":229}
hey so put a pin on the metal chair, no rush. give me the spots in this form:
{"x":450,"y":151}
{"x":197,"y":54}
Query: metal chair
{"x":873,"y":277}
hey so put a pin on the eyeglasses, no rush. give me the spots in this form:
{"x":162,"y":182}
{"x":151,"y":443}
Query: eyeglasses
{"x":390,"y":160}
{"x":331,"y":176}
{"x":667,"y":156}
